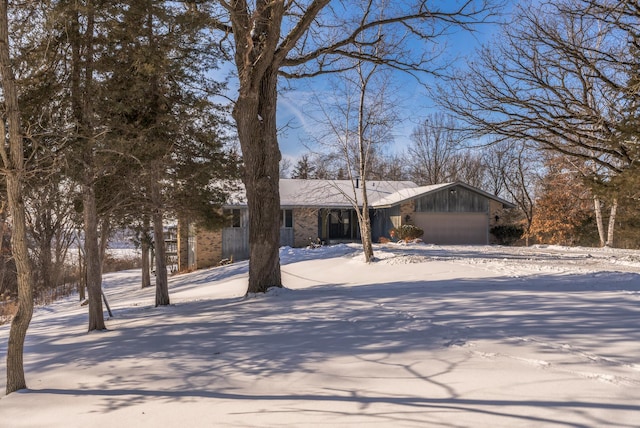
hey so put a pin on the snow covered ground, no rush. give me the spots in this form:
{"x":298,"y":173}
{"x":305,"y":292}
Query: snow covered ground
{"x":426,"y":336}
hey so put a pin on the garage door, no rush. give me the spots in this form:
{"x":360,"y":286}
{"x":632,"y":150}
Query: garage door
{"x":454,"y":228}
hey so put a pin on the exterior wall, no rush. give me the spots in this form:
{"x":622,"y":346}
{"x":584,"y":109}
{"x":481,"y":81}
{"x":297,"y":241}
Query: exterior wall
{"x":383,"y":220}
{"x":493,"y":213}
{"x":183,"y":245}
{"x":208,"y":248}
{"x":406,"y":209}
{"x":305,"y":226}
{"x":496,"y":213}
{"x":456,"y":199}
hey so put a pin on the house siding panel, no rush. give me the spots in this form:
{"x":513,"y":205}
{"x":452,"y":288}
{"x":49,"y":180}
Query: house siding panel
{"x":235,"y":243}
{"x":456,"y":199}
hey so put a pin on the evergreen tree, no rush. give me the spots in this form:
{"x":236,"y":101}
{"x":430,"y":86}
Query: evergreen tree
{"x":160,"y":115}
{"x":304,"y":168}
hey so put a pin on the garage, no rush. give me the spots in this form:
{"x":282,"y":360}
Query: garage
{"x":449,"y":214}
{"x":453,"y":228}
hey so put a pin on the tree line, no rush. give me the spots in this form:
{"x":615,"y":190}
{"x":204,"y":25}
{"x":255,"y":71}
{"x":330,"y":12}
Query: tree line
{"x":109,"y":122}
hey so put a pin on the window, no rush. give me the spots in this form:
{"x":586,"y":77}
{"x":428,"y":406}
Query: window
{"x":235,"y":217}
{"x":286,"y":220}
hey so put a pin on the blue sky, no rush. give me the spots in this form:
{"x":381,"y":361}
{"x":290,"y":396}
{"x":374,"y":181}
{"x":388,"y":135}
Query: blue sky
{"x":413,"y":107}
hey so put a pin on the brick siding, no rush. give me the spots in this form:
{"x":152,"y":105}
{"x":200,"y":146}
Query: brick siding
{"x":305,"y":226}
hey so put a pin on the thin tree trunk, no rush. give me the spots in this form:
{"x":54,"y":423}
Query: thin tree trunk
{"x":82,"y":104}
{"x":15,"y":171}
{"x":46,"y":265}
{"x":597,"y":206}
{"x":146,"y":254}
{"x":365,"y":234}
{"x":365,"y":222}
{"x":255,"y":116}
{"x":612,"y":222}
{"x":162,"y":283}
{"x":82,"y":272}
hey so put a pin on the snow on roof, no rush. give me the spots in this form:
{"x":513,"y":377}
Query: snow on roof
{"x":406,"y":194}
{"x":412,"y":193}
{"x":335,"y":193}
{"x":328,"y":193}
{"x":343,"y":193}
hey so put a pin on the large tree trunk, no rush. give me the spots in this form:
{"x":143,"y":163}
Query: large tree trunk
{"x":92,"y":257}
{"x":20,"y":323}
{"x":13,"y":161}
{"x":255,"y":115}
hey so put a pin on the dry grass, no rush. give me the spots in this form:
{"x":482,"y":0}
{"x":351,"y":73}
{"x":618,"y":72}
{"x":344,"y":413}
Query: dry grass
{"x":8,"y":309}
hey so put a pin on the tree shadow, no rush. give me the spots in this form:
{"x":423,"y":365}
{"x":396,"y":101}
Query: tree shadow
{"x":413,"y":405}
{"x":203,"y":344}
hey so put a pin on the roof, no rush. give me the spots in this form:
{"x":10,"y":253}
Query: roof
{"x":296,"y":193}
{"x":407,"y":194}
{"x":335,"y":193}
{"x":416,"y":192}
{"x":314,"y":193}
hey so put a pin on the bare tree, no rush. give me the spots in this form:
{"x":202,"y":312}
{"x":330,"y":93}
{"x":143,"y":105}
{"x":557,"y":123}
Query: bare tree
{"x":358,"y":124}
{"x":273,"y":38}
{"x":285,"y":167}
{"x":438,"y":154}
{"x":558,"y":77}
{"x":389,"y":167}
{"x":513,"y":171}
{"x":12,"y":154}
{"x":435,"y":149}
{"x":51,"y":221}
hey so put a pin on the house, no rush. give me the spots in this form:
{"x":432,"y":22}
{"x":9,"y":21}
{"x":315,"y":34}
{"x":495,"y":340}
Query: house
{"x":451,"y":213}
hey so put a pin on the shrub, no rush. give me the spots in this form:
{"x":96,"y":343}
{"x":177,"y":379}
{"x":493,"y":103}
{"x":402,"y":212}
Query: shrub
{"x":507,"y":234}
{"x":114,"y":264}
{"x":406,"y":232}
